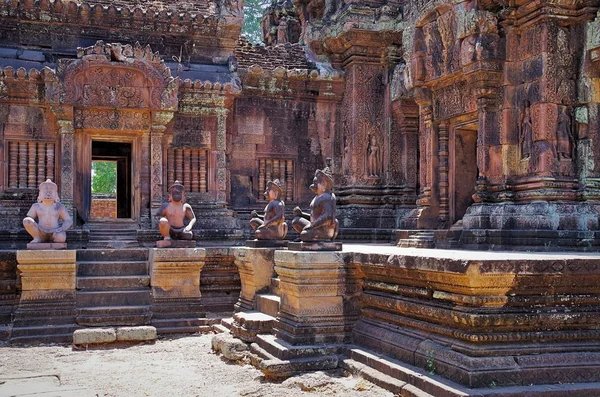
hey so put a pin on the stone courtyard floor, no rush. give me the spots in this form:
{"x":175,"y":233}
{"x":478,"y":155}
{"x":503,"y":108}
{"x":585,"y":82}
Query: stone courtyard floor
{"x":178,"y":366}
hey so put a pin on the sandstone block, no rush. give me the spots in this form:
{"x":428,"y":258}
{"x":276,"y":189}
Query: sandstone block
{"x":94,"y":336}
{"x":143,"y":333}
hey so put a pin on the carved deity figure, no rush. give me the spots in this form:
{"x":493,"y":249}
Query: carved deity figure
{"x":272,"y":225}
{"x":173,"y":215}
{"x":321,"y":223}
{"x":526,"y":136}
{"x":564,"y":135}
{"x":48,"y":211}
{"x":373,"y":158}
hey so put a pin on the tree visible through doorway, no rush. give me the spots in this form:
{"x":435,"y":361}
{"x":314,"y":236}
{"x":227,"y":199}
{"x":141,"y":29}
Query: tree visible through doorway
{"x":104,"y":177}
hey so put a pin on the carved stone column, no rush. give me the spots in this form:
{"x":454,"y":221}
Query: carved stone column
{"x":428,"y":202}
{"x":221,"y":161}
{"x":443,"y":171}
{"x":64,"y":115}
{"x":159,"y":122}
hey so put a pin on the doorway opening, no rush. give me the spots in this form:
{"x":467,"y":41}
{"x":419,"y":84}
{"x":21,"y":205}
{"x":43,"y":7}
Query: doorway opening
{"x":464,"y":171}
{"x":111,"y":180}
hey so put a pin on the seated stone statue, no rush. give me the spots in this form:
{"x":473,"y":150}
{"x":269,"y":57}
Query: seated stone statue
{"x":321,"y":223}
{"x":48,"y":210}
{"x":272,"y":225}
{"x":173,"y":214}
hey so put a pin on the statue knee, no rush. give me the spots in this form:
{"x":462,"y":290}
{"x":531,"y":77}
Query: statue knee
{"x":29,"y":222}
{"x":59,"y":237}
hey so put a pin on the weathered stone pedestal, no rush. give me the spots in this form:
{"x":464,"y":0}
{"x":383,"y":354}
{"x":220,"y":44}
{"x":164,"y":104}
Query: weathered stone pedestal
{"x":46,"y":246}
{"x":175,"y":282}
{"x":256,"y":266}
{"x":46,"y":311}
{"x":315,"y":246}
{"x":267,"y":243}
{"x":314,"y":297}
{"x":176,"y":244}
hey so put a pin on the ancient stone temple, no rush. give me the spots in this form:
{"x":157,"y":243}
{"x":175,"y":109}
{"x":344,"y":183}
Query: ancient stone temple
{"x":466,"y":124}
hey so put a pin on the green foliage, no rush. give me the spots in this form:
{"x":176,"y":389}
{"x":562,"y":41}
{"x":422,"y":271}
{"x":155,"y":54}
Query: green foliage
{"x":430,"y":362}
{"x":104,"y":177}
{"x":253,"y":12}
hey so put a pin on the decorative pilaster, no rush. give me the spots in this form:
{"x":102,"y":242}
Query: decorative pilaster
{"x":443,"y":171}
{"x":159,"y":122}
{"x":64,"y":115}
{"x":221,"y":161}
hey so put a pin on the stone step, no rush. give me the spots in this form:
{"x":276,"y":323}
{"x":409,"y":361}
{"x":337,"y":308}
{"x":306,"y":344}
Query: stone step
{"x":106,"y":321}
{"x":114,"y":315}
{"x":41,"y":332}
{"x":112,"y":244}
{"x":130,"y":254}
{"x":227,"y":322}
{"x":44,"y":321}
{"x":185,"y":330}
{"x":182,"y":322}
{"x":42,"y":338}
{"x":88,"y":299}
{"x":113,"y":268}
{"x":112,"y":282}
{"x":275,"y":290}
{"x":268,"y":304}
{"x":5,"y":332}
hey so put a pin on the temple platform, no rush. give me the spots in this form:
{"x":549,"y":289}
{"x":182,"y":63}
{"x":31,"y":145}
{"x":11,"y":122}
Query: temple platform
{"x":447,"y":322}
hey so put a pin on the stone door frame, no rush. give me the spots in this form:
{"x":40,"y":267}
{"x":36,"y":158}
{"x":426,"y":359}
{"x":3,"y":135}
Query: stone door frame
{"x":456,"y":125}
{"x":84,"y":138}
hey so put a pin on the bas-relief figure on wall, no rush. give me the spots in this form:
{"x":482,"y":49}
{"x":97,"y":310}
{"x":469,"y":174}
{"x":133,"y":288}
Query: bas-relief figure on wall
{"x":374,"y":158}
{"x":48,"y":211}
{"x":173,"y":215}
{"x":321,"y":224}
{"x":565,"y":141}
{"x":271,"y":225}
{"x":526,"y":133}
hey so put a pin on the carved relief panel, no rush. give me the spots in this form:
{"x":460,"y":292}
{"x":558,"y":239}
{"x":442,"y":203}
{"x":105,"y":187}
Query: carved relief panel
{"x":364,"y":124}
{"x":111,"y":119}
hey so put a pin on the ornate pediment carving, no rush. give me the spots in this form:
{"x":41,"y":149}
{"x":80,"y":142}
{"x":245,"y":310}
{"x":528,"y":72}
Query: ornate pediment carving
{"x":118,"y":76}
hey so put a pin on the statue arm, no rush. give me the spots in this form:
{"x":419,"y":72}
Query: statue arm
{"x":298,"y":212}
{"x":326,"y":217}
{"x":67,"y":221}
{"x":189,"y":213}
{"x":255,"y":214}
{"x":161,"y":210}
{"x":32,"y":213}
{"x":279,"y":209}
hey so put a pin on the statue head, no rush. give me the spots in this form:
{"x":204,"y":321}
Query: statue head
{"x":323,"y":181}
{"x":48,"y":191}
{"x":275,"y":187}
{"x":177,"y":192}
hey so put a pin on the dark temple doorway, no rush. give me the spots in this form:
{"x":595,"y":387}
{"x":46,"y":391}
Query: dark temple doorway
{"x":114,"y":199}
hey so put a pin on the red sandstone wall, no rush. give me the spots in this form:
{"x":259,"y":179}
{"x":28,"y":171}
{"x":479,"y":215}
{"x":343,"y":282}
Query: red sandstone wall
{"x":103,"y":208}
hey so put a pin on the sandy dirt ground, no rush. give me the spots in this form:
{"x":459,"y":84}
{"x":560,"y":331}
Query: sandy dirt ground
{"x":179,"y":366}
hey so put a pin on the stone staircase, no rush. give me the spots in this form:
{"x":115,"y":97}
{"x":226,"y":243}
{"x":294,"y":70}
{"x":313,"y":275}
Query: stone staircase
{"x":113,"y":287}
{"x":248,"y":325}
{"x":423,"y":239}
{"x":116,"y":234}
